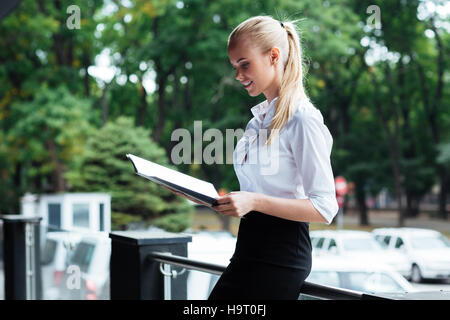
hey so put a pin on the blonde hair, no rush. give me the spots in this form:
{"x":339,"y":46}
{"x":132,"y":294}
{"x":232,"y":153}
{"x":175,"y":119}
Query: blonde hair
{"x":266,"y":33}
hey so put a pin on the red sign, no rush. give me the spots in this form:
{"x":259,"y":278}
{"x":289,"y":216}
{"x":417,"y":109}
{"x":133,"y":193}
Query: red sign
{"x":341,"y":185}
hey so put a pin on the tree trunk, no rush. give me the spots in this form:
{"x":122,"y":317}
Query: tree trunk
{"x":431,"y":108}
{"x":57,"y":175}
{"x":157,"y":132}
{"x":443,"y":192}
{"x":86,"y":64}
{"x":104,"y":105}
{"x":142,"y":111}
{"x":361,"y":200}
{"x":392,"y":140}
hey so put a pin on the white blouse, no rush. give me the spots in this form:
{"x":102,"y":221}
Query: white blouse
{"x":297,"y":163}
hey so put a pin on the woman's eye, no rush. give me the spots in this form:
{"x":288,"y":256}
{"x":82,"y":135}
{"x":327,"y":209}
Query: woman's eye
{"x":243,"y":66}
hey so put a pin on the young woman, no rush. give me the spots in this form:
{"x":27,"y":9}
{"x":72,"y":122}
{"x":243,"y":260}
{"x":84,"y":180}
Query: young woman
{"x":273,"y":250}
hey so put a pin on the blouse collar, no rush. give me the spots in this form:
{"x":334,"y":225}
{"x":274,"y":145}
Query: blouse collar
{"x":264,"y":108}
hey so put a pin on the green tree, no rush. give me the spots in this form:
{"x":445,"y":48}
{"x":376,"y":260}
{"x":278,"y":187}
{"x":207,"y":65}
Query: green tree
{"x":48,"y":133}
{"x":103,"y":167}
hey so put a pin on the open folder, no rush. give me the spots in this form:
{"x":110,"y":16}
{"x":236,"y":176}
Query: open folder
{"x":198,"y":189}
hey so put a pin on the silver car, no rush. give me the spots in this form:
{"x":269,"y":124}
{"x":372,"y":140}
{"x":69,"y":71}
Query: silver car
{"x":428,"y":250}
{"x":358,"y":245}
{"x":373,"y":278}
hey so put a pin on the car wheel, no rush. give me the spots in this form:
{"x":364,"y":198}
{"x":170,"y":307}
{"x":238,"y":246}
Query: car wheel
{"x":416,"y":275}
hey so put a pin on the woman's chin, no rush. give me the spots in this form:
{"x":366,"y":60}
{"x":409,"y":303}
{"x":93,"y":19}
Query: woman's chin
{"x":253,"y":93}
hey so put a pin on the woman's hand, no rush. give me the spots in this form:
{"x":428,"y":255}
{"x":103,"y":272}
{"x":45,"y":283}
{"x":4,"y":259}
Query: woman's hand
{"x":236,"y":203}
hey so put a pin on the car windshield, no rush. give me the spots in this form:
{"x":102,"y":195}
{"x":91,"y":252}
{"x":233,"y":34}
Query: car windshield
{"x":48,"y":252}
{"x":370,"y":282}
{"x":360,"y":244}
{"x":438,"y":242}
{"x":83,"y":255}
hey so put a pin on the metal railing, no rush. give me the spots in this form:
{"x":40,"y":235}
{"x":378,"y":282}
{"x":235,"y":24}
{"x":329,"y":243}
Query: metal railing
{"x":308,"y":288}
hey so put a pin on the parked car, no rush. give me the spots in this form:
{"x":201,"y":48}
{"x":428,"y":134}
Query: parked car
{"x":211,"y":246}
{"x":55,"y":254}
{"x":428,"y":250}
{"x":358,"y":245}
{"x":90,"y":262}
{"x":373,"y":278}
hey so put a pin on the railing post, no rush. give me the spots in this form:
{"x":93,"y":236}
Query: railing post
{"x":133,"y":275}
{"x":21,"y":251}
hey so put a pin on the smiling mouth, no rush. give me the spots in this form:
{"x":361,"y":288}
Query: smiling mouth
{"x":247,"y":84}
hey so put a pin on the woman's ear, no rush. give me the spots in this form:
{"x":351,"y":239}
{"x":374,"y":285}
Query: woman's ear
{"x":274,"y":55}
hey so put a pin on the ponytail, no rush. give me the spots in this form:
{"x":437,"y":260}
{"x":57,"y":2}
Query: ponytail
{"x":291,"y":90}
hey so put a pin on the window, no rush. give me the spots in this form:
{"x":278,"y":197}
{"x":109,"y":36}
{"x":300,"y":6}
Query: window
{"x":48,"y":252}
{"x":81,"y":215}
{"x":360,"y":244}
{"x":54,"y":216}
{"x":383,"y":240}
{"x":386,"y":240}
{"x":399,"y":243}
{"x":328,"y":278}
{"x":102,"y":217}
{"x":355,"y":280}
{"x":380,"y":282}
{"x":332,"y":245}
{"x":83,"y":255}
{"x":319,"y":243}
{"x":429,"y":242}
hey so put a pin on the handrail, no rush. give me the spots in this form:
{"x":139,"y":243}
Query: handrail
{"x":308,"y":288}
{"x":184,"y":262}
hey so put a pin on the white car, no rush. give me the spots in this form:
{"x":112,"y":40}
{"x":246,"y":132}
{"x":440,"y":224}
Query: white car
{"x":91,"y":261}
{"x":212,"y":247}
{"x":428,"y":250}
{"x":373,"y":278}
{"x":56,"y":252}
{"x":358,"y":245}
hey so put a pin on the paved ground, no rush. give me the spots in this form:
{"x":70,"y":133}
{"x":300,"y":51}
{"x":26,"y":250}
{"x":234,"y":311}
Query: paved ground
{"x":390,"y":219}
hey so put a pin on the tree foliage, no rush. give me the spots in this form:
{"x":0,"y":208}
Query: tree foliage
{"x":383,"y":93}
{"x":103,"y":167}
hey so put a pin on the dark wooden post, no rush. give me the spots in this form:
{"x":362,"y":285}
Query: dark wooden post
{"x":21,"y":251}
{"x":133,"y":275}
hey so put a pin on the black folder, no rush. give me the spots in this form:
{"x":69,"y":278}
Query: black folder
{"x":198,"y":189}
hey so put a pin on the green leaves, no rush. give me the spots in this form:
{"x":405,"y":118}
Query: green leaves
{"x":54,"y":118}
{"x":104,"y":168}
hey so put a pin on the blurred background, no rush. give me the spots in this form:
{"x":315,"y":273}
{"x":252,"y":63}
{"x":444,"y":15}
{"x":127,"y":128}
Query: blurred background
{"x":82,"y":84}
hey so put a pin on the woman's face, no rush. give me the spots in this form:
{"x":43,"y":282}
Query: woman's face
{"x":255,"y":70}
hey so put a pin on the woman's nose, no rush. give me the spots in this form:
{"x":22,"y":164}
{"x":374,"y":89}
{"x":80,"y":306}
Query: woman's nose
{"x":238,"y":75}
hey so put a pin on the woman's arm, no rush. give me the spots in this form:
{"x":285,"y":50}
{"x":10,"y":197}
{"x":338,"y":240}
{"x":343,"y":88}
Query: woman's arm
{"x":291,"y":209}
{"x":239,"y":203}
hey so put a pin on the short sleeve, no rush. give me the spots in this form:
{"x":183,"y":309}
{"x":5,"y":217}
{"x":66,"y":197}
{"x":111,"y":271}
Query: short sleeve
{"x":311,"y":146}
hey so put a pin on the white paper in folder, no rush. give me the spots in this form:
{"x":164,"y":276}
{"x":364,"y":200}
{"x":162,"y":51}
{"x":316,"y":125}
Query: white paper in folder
{"x":199,"y":189}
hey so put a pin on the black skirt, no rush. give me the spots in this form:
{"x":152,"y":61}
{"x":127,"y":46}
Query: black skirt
{"x":271,"y":261}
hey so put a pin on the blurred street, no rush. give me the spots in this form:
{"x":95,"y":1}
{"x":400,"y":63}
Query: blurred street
{"x":208,"y":219}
